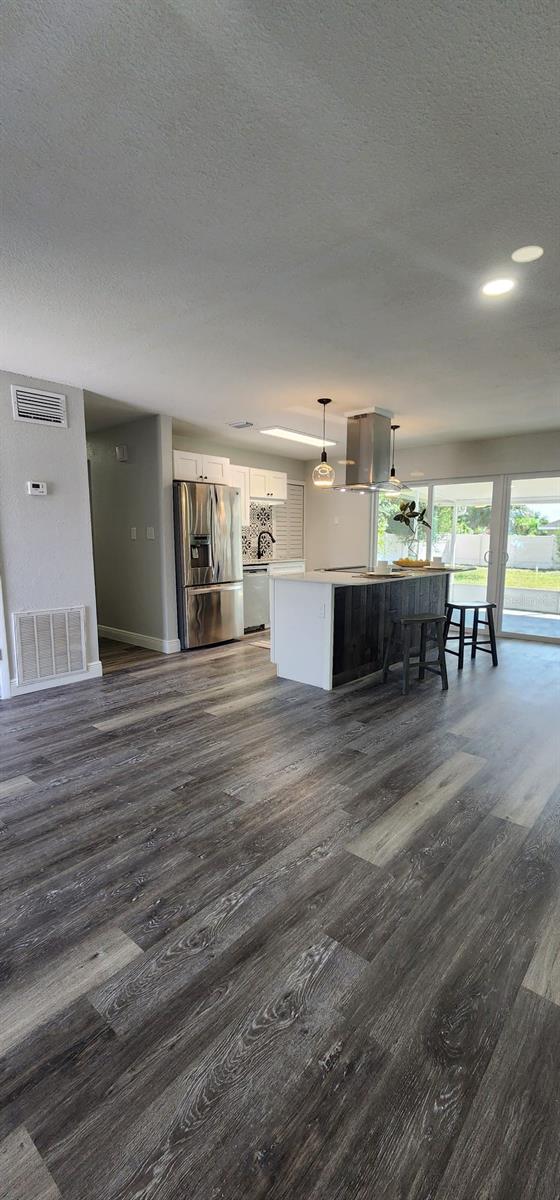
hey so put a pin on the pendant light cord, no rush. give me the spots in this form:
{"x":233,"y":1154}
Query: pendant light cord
{"x":394,"y":432}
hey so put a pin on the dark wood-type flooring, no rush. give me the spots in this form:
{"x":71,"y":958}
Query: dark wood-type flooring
{"x":261,"y":940}
{"x":117,"y":656}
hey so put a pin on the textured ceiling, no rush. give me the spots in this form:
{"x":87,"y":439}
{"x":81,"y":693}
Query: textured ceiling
{"x":225,"y":209}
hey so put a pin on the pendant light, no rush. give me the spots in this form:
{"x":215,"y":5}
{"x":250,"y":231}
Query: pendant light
{"x":323,"y":473}
{"x":393,"y":484}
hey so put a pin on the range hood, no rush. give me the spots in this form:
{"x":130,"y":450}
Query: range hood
{"x":368,"y":450}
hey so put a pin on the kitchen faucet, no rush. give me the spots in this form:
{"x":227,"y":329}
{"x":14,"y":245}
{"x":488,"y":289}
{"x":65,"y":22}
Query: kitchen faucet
{"x":263,"y":533}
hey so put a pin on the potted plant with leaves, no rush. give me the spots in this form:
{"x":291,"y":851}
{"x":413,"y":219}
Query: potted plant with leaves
{"x":413,"y":519}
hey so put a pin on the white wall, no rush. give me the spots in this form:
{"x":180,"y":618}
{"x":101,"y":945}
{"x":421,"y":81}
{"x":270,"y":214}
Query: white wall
{"x":46,"y":556}
{"x":490,"y":456}
{"x":337,"y":526}
{"x":167,"y":543}
{"x":134,"y":578}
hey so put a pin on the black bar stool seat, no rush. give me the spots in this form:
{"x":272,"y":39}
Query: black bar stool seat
{"x":475,"y":643}
{"x":405,"y":626}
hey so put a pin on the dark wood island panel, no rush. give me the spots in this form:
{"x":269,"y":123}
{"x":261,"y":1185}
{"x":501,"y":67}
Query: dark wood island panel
{"x":362,"y":620}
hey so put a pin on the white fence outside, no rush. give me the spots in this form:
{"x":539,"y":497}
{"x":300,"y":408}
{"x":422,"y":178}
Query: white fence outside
{"x":541,"y":600}
{"x":531,"y":552}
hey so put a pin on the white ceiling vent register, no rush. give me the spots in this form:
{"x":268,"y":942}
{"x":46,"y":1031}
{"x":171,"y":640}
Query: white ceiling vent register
{"x":39,"y":408}
{"x":49,"y":643}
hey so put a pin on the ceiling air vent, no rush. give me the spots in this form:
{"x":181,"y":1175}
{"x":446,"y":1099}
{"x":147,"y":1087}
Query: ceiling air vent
{"x":241,"y":424}
{"x":39,"y":408}
{"x":49,"y":643}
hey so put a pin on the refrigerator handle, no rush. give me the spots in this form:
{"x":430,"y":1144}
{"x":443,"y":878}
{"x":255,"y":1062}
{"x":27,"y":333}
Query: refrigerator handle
{"x":195,"y":590}
{"x":179,"y":506}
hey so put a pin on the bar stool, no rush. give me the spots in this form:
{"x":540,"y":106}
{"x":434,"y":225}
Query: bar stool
{"x":406,"y":625}
{"x":473,"y":641}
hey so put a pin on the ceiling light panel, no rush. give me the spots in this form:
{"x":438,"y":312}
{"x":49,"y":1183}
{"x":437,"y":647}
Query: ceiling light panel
{"x":291,"y":435}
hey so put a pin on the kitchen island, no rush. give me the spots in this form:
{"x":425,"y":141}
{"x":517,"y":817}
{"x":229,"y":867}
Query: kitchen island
{"x":329,"y":628}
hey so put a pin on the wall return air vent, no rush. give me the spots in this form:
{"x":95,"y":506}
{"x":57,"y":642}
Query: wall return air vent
{"x":39,"y":408}
{"x":49,"y":643}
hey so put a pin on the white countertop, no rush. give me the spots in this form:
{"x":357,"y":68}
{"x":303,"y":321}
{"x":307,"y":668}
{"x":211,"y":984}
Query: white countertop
{"x":355,"y":579}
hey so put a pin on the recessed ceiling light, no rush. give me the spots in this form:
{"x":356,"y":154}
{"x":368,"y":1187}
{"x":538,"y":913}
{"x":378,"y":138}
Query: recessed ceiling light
{"x":527,"y":253}
{"x":291,"y":435}
{"x":498,"y":287}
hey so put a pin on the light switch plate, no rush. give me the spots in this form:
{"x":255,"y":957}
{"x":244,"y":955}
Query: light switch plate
{"x":150,"y":533}
{"x":133,"y":533}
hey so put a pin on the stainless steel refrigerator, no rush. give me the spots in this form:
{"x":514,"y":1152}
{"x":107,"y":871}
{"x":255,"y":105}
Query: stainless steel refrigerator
{"x":208,"y":563}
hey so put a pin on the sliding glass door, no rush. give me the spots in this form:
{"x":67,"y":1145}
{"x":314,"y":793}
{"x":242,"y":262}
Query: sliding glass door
{"x":461,"y":535}
{"x":531,"y":578}
{"x":504,"y":532}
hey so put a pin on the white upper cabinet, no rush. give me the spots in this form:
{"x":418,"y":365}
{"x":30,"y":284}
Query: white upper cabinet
{"x":202,"y":468}
{"x":253,"y":483}
{"x":239,"y":477}
{"x":216,"y":470}
{"x":186,"y":465}
{"x":268,"y":485}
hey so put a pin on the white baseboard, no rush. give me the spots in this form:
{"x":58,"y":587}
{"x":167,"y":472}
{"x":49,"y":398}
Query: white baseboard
{"x":169,"y":646}
{"x":94,"y":671}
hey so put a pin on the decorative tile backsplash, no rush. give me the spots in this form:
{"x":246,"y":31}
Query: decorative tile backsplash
{"x":261,"y":518}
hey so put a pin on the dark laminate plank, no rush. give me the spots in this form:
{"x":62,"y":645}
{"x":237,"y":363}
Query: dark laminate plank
{"x":23,"y":861}
{"x":52,"y":1063}
{"x":543,"y":974}
{"x":135,"y":1068}
{"x":442,"y":1021}
{"x":50,"y":990}
{"x":170,"y":1146}
{"x":406,"y":881}
{"x":383,"y":1017}
{"x":391,"y":832}
{"x":509,"y":1148}
{"x":216,"y":842}
{"x":23,"y":1174}
{"x":172,"y":963}
{"x":120,"y":656}
{"x":223,"y":857}
{"x":211,"y":991}
{"x":15,"y":786}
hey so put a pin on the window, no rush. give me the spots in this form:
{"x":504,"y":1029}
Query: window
{"x":394,"y":540}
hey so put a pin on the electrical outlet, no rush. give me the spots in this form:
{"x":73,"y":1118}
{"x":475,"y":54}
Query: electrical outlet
{"x":133,"y":533}
{"x":150,"y":533}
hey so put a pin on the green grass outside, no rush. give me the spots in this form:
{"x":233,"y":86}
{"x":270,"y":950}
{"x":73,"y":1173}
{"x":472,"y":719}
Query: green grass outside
{"x":516,"y":577}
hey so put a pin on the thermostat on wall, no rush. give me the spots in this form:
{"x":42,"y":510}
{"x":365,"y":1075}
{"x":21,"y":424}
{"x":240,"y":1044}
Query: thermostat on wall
{"x":36,"y":489}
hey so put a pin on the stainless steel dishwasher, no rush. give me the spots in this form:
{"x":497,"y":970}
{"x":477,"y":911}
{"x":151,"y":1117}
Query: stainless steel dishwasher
{"x":256,"y":598}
